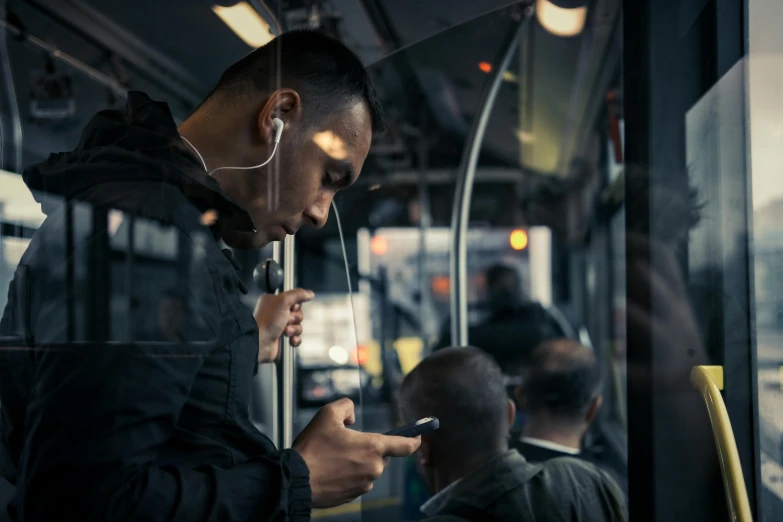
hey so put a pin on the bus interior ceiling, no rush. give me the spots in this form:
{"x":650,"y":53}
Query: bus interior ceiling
{"x":541,"y":157}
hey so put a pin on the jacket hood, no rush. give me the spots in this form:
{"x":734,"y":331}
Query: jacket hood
{"x":139,"y":143}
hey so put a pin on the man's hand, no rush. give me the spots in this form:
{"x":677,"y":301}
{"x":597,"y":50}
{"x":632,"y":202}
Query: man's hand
{"x":344,"y":463}
{"x":278,"y":315}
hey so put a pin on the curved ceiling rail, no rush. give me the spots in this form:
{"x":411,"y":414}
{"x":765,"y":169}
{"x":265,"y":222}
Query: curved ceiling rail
{"x":464,"y":188}
{"x":36,"y":43}
{"x":708,"y":380}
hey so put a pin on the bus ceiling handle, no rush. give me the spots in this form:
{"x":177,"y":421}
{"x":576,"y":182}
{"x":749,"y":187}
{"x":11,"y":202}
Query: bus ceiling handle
{"x":708,"y":380}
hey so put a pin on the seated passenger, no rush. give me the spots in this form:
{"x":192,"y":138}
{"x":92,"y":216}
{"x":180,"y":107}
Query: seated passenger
{"x":516,"y":324}
{"x":467,"y":464}
{"x":561,"y":395}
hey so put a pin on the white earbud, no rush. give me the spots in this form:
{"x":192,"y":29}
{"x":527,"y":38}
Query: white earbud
{"x":278,"y":125}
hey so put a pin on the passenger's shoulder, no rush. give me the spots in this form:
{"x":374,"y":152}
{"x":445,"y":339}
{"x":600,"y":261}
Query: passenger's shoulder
{"x":574,"y":470}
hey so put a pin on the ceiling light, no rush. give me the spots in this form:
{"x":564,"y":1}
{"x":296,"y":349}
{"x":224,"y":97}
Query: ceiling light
{"x":246,"y":23}
{"x":562,"y":17}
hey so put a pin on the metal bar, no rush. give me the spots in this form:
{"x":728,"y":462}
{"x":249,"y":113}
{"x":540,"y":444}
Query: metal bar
{"x":16,"y":230}
{"x":274,"y":413}
{"x":16,"y":121}
{"x":274,"y":23}
{"x":464,"y":190}
{"x":708,"y":380}
{"x":92,"y":73}
{"x":287,"y":361}
{"x":70,"y":273}
{"x":82,"y":18}
{"x":424,"y":223}
{"x":129,"y":262}
{"x":445,"y":177}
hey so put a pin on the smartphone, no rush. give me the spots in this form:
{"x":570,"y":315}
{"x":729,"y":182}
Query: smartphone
{"x":414,"y":429}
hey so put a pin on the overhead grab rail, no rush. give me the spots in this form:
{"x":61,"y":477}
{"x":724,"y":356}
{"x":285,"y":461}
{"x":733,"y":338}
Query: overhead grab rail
{"x":708,"y":380}
{"x":458,"y":263}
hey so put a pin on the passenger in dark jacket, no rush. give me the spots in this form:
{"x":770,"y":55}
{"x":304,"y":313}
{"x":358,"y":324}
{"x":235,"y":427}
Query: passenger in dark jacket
{"x":467,"y":464}
{"x":561,"y":395}
{"x":514,"y":326}
{"x":98,"y":426}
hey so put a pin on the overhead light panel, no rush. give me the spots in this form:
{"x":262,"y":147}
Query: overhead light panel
{"x":562,"y":17}
{"x":246,"y":23}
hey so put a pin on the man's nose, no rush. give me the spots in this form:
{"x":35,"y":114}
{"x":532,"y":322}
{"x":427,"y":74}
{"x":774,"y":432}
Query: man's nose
{"x":318,"y":213}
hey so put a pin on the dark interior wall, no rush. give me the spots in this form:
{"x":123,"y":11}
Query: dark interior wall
{"x":675,"y":51}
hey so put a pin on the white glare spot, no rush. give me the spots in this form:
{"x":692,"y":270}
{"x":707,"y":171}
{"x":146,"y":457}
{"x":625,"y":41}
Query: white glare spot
{"x":331,"y":144}
{"x":338,"y":354}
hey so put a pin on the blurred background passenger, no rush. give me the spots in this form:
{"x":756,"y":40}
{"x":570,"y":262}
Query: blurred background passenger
{"x":515,"y":324}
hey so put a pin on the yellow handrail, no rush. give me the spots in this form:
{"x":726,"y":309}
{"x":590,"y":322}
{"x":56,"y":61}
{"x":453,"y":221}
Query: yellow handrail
{"x":709,"y":381}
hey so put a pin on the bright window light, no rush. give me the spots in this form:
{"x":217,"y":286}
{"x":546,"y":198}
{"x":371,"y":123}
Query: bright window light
{"x":561,"y":21}
{"x":17,"y":204}
{"x":338,"y":354}
{"x":246,"y":23}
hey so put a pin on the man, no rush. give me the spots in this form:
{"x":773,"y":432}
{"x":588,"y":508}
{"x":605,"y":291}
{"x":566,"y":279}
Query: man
{"x":467,"y":464}
{"x":98,"y":430}
{"x":514,"y":327}
{"x":561,"y":395}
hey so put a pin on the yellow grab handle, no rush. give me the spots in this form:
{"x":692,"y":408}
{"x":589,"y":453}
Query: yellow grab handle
{"x":709,"y":381}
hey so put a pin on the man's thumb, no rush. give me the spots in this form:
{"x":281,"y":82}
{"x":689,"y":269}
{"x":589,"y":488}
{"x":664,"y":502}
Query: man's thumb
{"x":297,"y":295}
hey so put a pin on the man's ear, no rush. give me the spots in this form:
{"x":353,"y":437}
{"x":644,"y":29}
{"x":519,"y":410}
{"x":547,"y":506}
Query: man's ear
{"x":285,"y":104}
{"x":592,"y":411}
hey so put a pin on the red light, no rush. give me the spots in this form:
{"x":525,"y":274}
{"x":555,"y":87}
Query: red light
{"x":379,"y":245}
{"x":361,"y":355}
{"x":441,"y":285}
{"x":485,"y":67}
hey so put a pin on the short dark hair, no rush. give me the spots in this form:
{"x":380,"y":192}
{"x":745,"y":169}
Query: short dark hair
{"x":561,"y":378}
{"x":325,"y":72}
{"x":464,"y":389}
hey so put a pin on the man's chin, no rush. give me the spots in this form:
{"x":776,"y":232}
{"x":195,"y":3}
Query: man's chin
{"x":245,"y":240}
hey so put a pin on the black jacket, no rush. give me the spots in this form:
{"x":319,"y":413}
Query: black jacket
{"x":614,"y":469}
{"x":510,"y":489}
{"x":99,"y":426}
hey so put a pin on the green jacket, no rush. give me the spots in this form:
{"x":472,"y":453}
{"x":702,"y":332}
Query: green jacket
{"x":509,"y":488}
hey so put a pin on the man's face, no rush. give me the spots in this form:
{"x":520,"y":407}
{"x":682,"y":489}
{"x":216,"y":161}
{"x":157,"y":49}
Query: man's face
{"x":315,"y":161}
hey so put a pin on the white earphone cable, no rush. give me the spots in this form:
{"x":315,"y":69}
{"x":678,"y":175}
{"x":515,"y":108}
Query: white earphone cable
{"x":274,"y":150}
{"x":359,"y":417}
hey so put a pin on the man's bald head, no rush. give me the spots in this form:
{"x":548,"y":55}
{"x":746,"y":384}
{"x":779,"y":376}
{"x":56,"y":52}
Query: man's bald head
{"x":464,"y":389}
{"x":562,"y":379}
